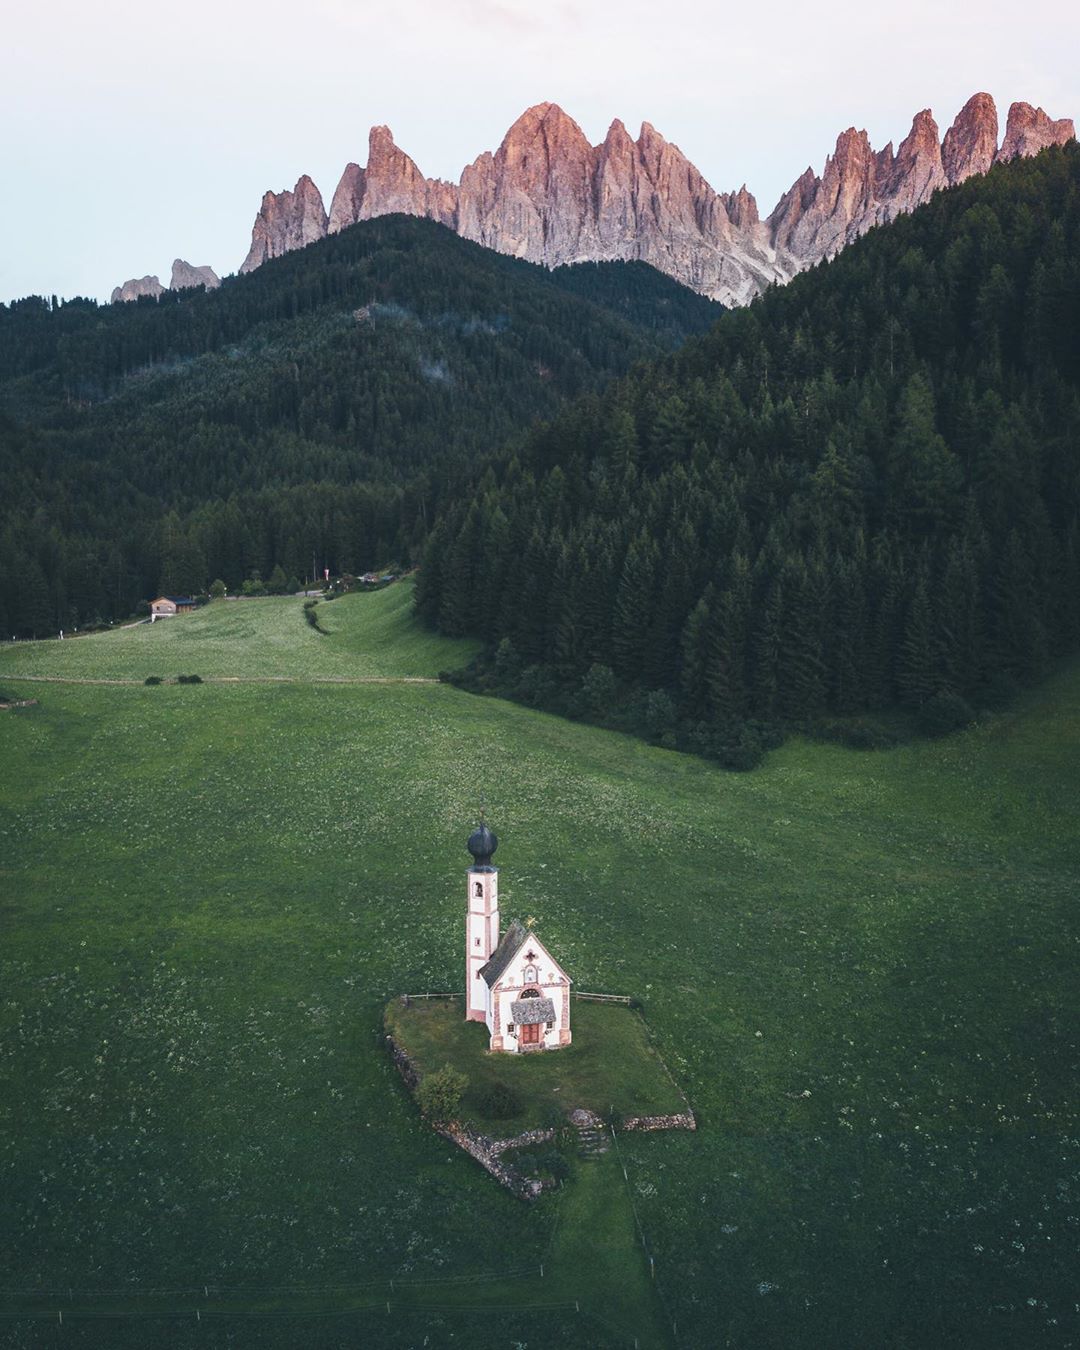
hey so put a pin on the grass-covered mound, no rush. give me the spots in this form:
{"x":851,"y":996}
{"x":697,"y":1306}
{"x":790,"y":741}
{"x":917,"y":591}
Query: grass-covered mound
{"x":610,"y":1066}
{"x":860,"y":968}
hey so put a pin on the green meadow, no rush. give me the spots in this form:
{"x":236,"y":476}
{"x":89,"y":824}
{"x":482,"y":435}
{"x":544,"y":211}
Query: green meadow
{"x":368,"y":636}
{"x":861,"y":968}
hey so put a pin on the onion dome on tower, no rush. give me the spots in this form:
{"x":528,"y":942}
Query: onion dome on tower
{"x":482,"y":844}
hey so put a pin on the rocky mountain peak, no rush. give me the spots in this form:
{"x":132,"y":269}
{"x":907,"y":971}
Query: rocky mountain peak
{"x":286,"y":220}
{"x":1029,"y":130}
{"x":136,"y":287}
{"x":185,"y":276}
{"x":548,"y":195}
{"x":971,"y":142}
{"x":741,"y":208}
{"x":917,"y":170}
{"x":348,"y":199}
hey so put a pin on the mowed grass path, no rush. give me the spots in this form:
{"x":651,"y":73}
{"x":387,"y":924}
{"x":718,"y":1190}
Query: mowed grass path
{"x":368,"y":637}
{"x":860,"y":967}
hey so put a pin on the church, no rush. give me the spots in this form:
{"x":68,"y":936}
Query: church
{"x":514,"y":985}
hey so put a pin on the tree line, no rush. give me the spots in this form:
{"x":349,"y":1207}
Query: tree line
{"x":859,"y":493}
{"x":323,"y":405}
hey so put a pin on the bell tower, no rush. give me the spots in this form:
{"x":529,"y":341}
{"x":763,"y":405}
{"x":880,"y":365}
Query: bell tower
{"x":482,"y":919}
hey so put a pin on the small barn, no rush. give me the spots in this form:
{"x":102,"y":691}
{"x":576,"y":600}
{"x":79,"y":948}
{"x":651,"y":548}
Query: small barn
{"x":165,"y":606}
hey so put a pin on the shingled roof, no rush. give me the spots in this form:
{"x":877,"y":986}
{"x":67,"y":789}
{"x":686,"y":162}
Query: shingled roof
{"x":525,"y":1011}
{"x":504,"y":953}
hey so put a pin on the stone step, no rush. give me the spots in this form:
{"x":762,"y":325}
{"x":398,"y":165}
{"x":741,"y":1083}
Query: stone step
{"x":592,"y":1143}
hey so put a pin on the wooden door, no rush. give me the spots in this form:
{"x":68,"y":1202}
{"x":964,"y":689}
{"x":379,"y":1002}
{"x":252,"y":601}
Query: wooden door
{"x":530,"y":1033}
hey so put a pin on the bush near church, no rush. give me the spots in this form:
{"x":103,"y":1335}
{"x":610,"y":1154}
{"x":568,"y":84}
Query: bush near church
{"x":439,"y":1094}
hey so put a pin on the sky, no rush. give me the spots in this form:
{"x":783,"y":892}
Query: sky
{"x":136,"y":132}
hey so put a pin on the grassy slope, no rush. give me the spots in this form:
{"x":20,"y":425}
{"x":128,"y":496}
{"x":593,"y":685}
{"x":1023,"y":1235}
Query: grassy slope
{"x":861,"y":968}
{"x":368,"y":637}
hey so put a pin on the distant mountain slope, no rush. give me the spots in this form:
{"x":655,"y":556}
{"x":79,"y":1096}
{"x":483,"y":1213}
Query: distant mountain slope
{"x":381,"y":361}
{"x":863,"y":489}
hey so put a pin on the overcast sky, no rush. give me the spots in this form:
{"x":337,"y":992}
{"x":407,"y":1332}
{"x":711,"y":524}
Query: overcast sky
{"x":136,"y":132}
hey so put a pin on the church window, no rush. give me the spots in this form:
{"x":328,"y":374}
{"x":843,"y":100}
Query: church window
{"x":479,"y":891}
{"x":477,"y":942}
{"x":532,"y":975}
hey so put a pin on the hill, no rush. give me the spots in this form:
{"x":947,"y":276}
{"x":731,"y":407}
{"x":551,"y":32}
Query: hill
{"x":860,"y":967}
{"x":864,"y":490}
{"x":319,"y":408}
{"x":365,"y":637}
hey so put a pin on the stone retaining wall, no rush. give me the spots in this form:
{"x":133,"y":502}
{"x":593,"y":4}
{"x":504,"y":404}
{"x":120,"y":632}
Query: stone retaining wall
{"x":488,"y":1153}
{"x":403,"y":1063}
{"x":684,"y":1120}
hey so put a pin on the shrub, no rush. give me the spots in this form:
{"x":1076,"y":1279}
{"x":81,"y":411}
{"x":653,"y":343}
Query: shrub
{"x":152,"y":679}
{"x":217,"y":590}
{"x":312,"y":617}
{"x":189,"y":679}
{"x":499,"y":1102}
{"x":439,"y":1094}
{"x":943,"y":713}
{"x":507,"y":663}
{"x":555,"y":1164}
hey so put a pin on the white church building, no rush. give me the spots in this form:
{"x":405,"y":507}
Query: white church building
{"x":512,"y":984}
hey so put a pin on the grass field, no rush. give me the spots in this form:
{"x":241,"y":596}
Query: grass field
{"x":368,"y":636}
{"x":611,"y":1064}
{"x":860,"y":967}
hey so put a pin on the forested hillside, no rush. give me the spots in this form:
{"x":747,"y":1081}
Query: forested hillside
{"x":319,"y":407}
{"x":862,"y":490}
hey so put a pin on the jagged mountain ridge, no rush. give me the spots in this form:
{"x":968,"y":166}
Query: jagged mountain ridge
{"x":184,"y":277}
{"x":549,"y":196}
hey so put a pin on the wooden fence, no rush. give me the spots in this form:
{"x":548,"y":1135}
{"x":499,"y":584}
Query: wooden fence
{"x":603,"y":998}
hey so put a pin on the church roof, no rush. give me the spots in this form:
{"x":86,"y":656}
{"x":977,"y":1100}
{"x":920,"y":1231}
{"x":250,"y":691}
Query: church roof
{"x":504,"y":953}
{"x":525,"y":1011}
